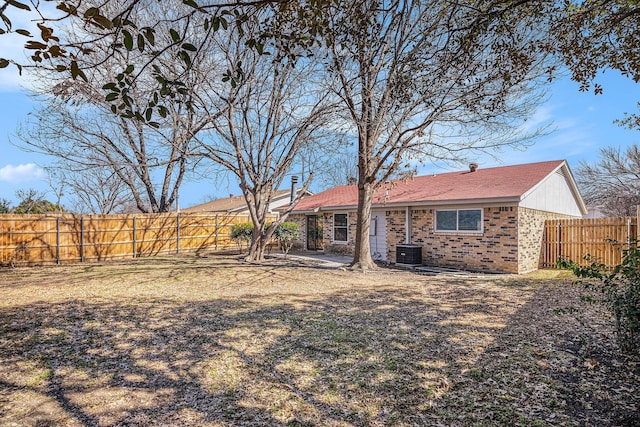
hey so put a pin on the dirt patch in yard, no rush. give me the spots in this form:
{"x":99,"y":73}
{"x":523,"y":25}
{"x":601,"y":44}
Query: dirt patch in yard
{"x":212,"y":341}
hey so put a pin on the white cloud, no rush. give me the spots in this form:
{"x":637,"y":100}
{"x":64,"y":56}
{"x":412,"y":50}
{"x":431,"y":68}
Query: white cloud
{"x":21,"y":173}
{"x":542,"y":117}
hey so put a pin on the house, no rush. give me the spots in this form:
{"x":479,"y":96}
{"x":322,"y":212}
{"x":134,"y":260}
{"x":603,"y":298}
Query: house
{"x":479,"y":219}
{"x":237,"y":204}
{"x":595,"y":211}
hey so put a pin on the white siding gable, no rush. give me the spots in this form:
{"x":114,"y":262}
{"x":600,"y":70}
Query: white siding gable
{"x":553,"y":194}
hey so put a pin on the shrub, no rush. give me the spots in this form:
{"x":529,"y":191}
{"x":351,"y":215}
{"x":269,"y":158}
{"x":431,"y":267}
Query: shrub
{"x":619,"y":291}
{"x":242,"y":233}
{"x":286,"y":233}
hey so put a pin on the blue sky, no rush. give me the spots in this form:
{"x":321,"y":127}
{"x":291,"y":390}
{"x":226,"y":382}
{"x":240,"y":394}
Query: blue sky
{"x":582,"y":123}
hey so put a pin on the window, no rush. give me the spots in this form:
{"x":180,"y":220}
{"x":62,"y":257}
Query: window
{"x":340,"y":227}
{"x":459,"y":220}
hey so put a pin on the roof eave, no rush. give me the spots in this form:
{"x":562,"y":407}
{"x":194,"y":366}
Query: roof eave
{"x":476,"y":201}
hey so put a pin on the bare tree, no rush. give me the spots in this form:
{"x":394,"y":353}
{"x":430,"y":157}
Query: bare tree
{"x":34,"y":202}
{"x":428,"y":81}
{"x":82,"y":128}
{"x":96,"y":190}
{"x":148,"y":161}
{"x":332,"y":164}
{"x":613,"y":182}
{"x":271,"y":111}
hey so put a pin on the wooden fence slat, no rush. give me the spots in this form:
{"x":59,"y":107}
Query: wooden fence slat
{"x":40,"y":239}
{"x":602,"y":238}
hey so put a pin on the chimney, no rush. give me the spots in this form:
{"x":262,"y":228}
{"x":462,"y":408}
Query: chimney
{"x":473,"y":167}
{"x":294,"y":187}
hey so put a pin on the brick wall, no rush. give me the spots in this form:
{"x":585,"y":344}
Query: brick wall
{"x":530,"y":234}
{"x":511,"y":241}
{"x":301,"y":220}
{"x":395,"y":232}
{"x":339,"y":248}
{"x":326,"y":219}
{"x":496,"y":249}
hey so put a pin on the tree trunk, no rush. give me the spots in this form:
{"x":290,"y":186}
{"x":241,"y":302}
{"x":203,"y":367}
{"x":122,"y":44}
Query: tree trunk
{"x":258,"y":246}
{"x":261,"y":234}
{"x":253,"y":255}
{"x":362,"y":254}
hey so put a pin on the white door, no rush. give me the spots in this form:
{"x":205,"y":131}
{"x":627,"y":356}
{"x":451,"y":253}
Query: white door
{"x":378,"y":236}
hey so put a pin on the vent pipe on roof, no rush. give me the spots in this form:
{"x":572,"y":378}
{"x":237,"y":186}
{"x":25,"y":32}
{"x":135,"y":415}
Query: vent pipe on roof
{"x":473,"y":167}
{"x":294,"y":187}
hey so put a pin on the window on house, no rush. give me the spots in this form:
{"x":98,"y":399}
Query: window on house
{"x":340,"y":227}
{"x":459,"y":220}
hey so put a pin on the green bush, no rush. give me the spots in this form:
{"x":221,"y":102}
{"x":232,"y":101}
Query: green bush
{"x":619,"y":291}
{"x":241,"y":233}
{"x":286,"y":233}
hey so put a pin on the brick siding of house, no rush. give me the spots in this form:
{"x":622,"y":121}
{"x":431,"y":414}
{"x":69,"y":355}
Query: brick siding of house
{"x":530,"y":235}
{"x":326,"y":219}
{"x":511,"y":241}
{"x":494,"y":250}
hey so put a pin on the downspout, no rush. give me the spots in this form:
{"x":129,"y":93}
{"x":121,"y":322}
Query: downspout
{"x":407,"y":237}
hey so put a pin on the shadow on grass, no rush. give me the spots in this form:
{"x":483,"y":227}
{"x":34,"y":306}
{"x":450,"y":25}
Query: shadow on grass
{"x":361,"y":356}
{"x":555,"y":363}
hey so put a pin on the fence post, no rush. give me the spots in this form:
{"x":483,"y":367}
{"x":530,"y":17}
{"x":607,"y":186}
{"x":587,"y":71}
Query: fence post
{"x":178,"y":234}
{"x":638,"y":223}
{"x":558,"y":255}
{"x":628,"y":232}
{"x":82,"y":239}
{"x":217,"y":228}
{"x":58,"y":240}
{"x":135,"y":244}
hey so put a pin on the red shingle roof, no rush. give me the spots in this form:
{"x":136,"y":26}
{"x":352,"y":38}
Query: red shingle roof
{"x":504,"y":182}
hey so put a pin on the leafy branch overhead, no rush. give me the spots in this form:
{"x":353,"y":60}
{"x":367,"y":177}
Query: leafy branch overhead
{"x":590,"y":35}
{"x":128,"y":29}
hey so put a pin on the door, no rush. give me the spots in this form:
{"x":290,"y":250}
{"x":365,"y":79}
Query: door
{"x":314,"y":233}
{"x":378,"y":236}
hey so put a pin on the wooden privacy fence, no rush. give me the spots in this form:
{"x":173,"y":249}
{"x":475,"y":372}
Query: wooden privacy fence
{"x":602,"y":238}
{"x":41,"y":239}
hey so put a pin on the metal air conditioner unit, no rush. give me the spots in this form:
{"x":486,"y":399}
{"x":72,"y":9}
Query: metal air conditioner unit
{"x":408,"y":255}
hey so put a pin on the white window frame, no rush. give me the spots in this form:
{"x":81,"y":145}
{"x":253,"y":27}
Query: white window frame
{"x":346,"y":227}
{"x":457,"y":230}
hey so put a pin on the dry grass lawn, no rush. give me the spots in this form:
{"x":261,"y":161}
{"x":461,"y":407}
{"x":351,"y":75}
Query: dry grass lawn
{"x":212,"y":341}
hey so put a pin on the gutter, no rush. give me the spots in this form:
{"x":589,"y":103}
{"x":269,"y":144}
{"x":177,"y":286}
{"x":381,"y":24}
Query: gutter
{"x":407,"y":226}
{"x":414,"y":204}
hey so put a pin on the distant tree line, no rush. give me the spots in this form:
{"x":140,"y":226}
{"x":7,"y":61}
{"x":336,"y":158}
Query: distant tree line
{"x":30,"y":202}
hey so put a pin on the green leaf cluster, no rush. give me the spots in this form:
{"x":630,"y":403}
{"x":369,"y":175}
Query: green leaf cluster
{"x":618,"y":290}
{"x":242,"y":232}
{"x":37,"y":207}
{"x":286,"y":233}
